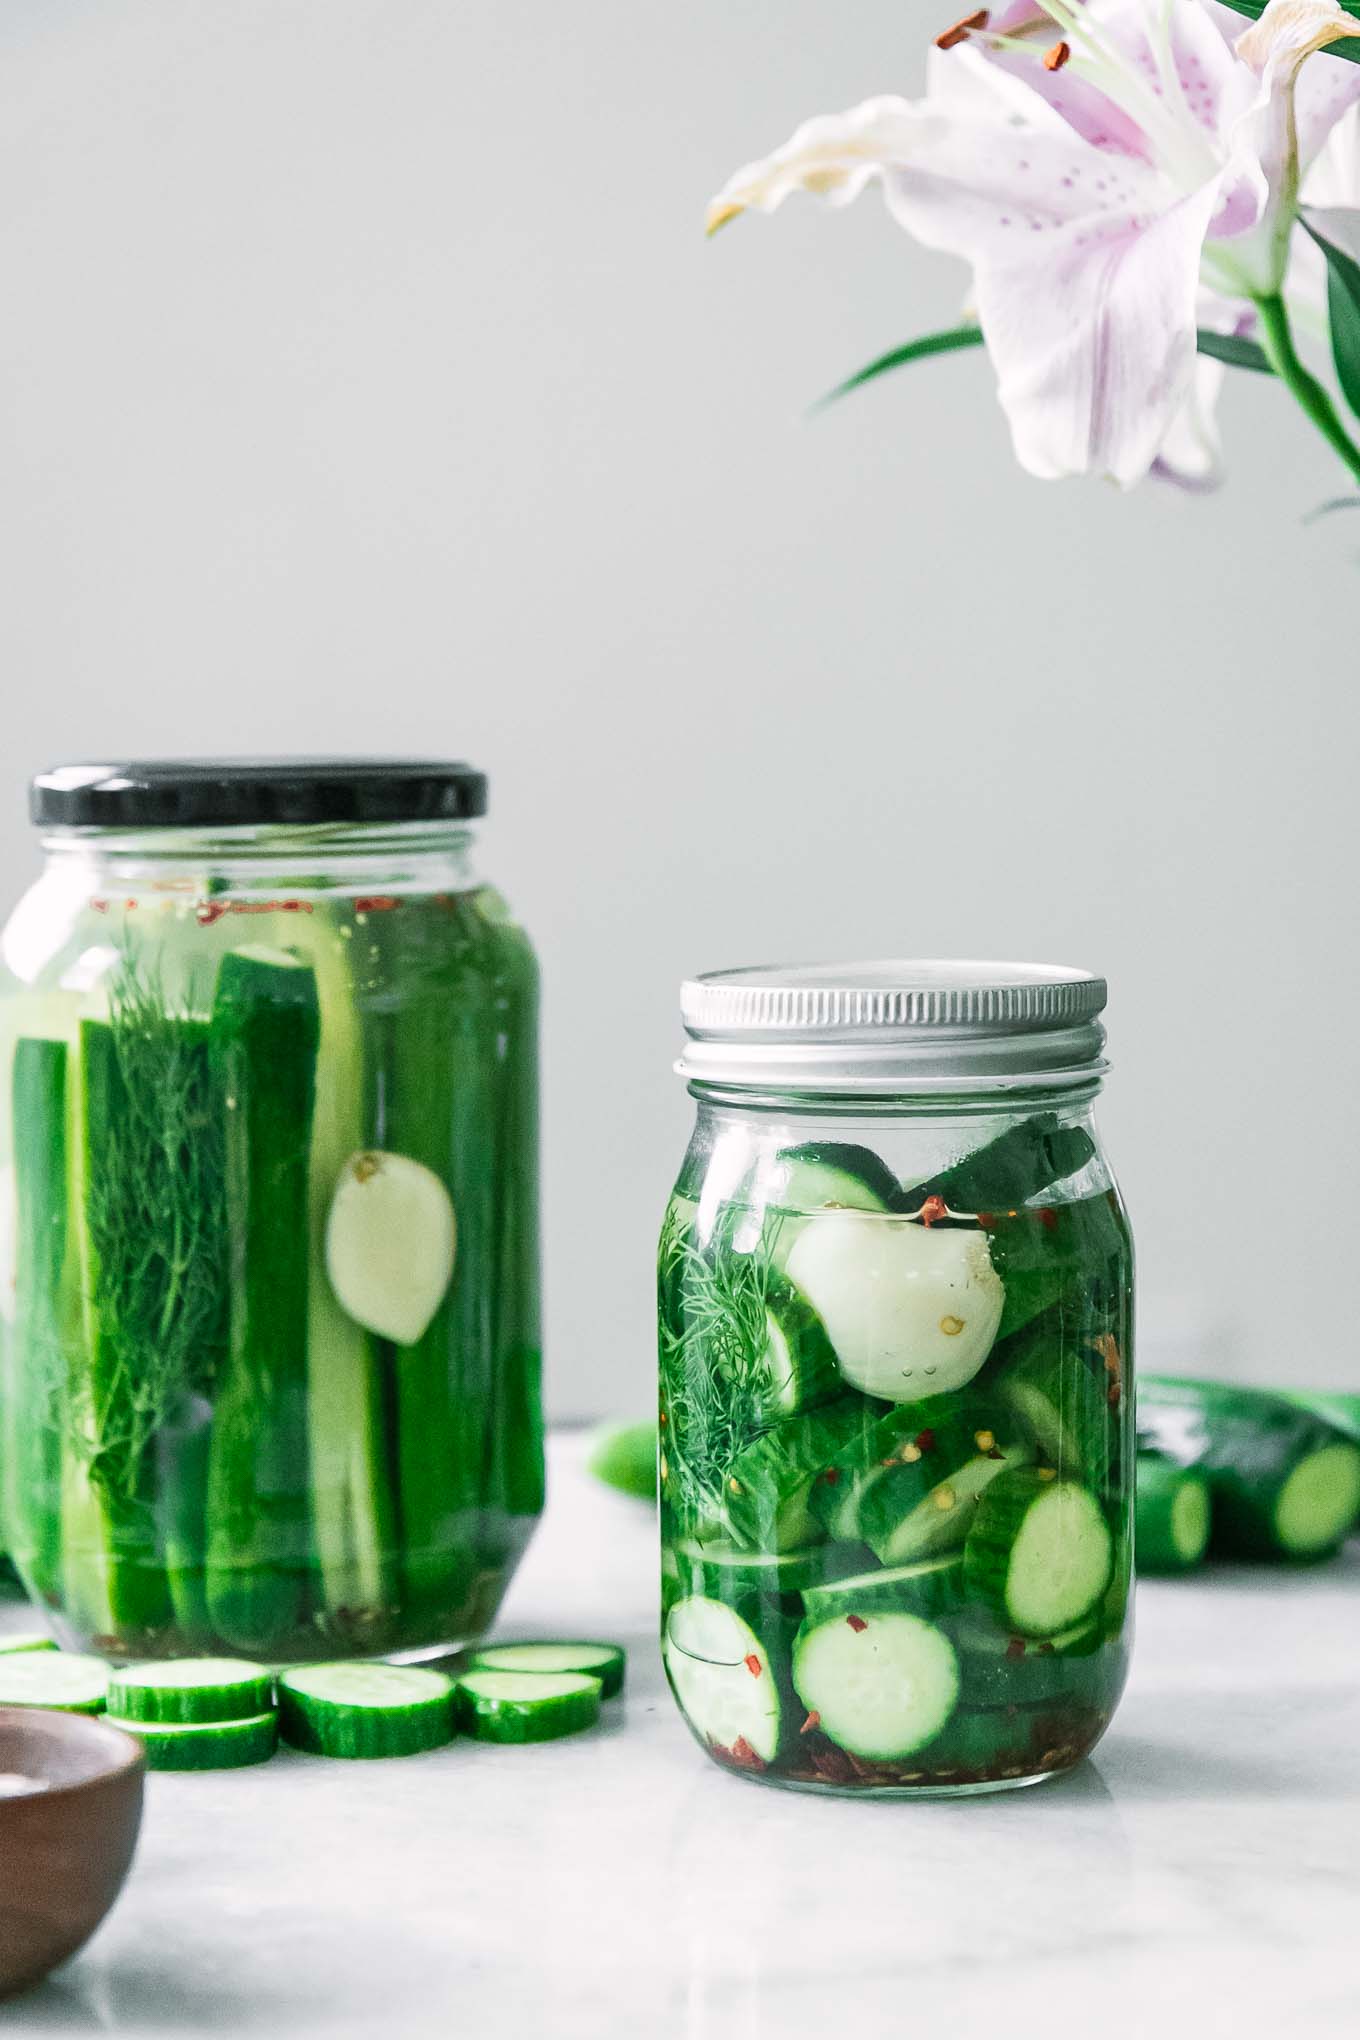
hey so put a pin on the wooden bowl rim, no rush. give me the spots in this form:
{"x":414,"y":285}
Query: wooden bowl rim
{"x":122,"y":1762}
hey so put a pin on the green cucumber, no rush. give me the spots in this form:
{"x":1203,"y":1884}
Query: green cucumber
{"x":525,"y":1707}
{"x":1011,"y":1170}
{"x":365,"y":1710}
{"x":925,"y":1501}
{"x":21,"y":1641}
{"x":65,"y":1680}
{"x":1336,"y":1406}
{"x":264,"y":1037}
{"x":31,"y":1469}
{"x":930,"y":1587}
{"x":1061,"y":1393}
{"x":1172,"y":1516}
{"x":725,"y":1572}
{"x":203,"y":1745}
{"x":723,"y":1681}
{"x":602,"y":1661}
{"x":1039,"y":1551}
{"x":799,"y":1361}
{"x":624,"y":1457}
{"x":911,"y":1310}
{"x":819,"y":1176}
{"x":1002,"y":1669}
{"x":185,"y":1691}
{"x":772,"y":1478}
{"x":1042,"y":1254}
{"x":881,"y":1685}
{"x":1283,"y":1483}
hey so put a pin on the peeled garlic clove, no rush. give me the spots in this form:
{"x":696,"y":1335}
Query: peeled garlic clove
{"x":390,"y":1242}
{"x":911,"y":1310}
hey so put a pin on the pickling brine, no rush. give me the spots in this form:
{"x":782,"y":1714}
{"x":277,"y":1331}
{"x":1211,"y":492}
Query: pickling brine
{"x":272,"y":1348}
{"x":895,"y":1422}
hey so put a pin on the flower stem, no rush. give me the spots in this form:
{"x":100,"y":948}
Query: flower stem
{"x":1278,"y":341}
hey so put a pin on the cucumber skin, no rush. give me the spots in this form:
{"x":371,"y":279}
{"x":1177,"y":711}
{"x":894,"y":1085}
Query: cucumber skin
{"x":264,"y":1039}
{"x":1073,"y":1381}
{"x":930,"y":1591}
{"x":772,"y":1477}
{"x":1010,"y":1170}
{"x":148,"y":1705}
{"x":953,"y":1445}
{"x":32,"y":1442}
{"x":1245,"y":1442}
{"x":1157,"y":1484}
{"x":209,"y":1746}
{"x":528,"y":1721}
{"x":992,"y":1536}
{"x":860,"y":1165}
{"x":624,"y":1458}
{"x":326,"y":1729}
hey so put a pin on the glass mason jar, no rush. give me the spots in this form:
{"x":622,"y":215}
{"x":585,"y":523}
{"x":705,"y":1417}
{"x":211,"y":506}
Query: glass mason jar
{"x":896,"y":1314}
{"x":268,"y":1141}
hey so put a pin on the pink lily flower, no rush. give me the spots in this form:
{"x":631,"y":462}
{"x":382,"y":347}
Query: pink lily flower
{"x":1111,"y":189}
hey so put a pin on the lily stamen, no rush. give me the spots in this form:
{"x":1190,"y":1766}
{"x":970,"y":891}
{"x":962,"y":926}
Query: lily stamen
{"x":962,"y":29}
{"x":1055,"y":58}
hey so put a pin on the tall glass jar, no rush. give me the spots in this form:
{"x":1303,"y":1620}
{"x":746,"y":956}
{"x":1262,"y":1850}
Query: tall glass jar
{"x":896,"y":1317}
{"x":268,"y":1151}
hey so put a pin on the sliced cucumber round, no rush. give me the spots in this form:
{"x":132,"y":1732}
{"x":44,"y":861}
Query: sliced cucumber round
{"x":800,"y":1365}
{"x":524,"y":1707}
{"x":1061,"y":1394}
{"x":365,"y":1710}
{"x":1172,"y":1516}
{"x":821,"y":1174}
{"x":924,"y":1497}
{"x":191,"y":1689}
{"x":1319,"y":1500}
{"x":726,"y":1572}
{"x":203,"y":1745}
{"x":880,"y":1685}
{"x":602,"y":1661}
{"x":930,"y":1586}
{"x":23,"y":1640}
{"x":1039,"y":1551}
{"x":723,"y":1680}
{"x":771,"y":1480}
{"x":62,"y":1679}
{"x":911,"y":1310}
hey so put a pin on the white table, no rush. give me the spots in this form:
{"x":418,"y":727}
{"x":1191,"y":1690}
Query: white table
{"x":1201,"y":1876}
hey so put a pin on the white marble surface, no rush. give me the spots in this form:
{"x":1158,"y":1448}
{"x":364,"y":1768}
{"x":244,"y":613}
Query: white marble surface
{"x":1200,"y":1876}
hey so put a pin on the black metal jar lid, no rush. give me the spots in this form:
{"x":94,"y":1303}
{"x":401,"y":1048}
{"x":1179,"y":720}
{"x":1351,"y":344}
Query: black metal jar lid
{"x":172,"y":793}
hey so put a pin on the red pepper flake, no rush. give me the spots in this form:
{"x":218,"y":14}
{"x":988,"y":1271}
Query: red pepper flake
{"x":1055,"y":58}
{"x":985,"y":1218}
{"x":996,"y":1453}
{"x":742,"y":1753}
{"x":831,"y":1476}
{"x":131,"y":906}
{"x":208,"y":911}
{"x":857,"y":1623}
{"x":1047,"y":1218}
{"x":752,"y":1664}
{"x":814,"y":1720}
{"x":1113,"y":1395}
{"x":961,"y":30}
{"x":924,"y":1441}
{"x":377,"y":903}
{"x":99,"y":906}
{"x":934,"y":1208}
{"x":1016,"y":1647}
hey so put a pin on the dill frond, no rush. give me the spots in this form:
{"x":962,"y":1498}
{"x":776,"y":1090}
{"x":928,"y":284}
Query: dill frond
{"x":714,"y":1334}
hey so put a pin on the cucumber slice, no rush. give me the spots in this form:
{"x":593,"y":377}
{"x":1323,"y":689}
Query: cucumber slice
{"x":910,"y":1309}
{"x":1039,"y":1551}
{"x":365,"y":1710}
{"x":800,"y":1363}
{"x":722,"y":1678}
{"x":724,"y":1572}
{"x":525,"y":1707}
{"x":932,"y":1586}
{"x":62,"y":1679}
{"x":1014,"y":1168}
{"x":822,"y":1174}
{"x":624,"y":1457}
{"x":925,"y":1500}
{"x":1172,"y":1517}
{"x":203,"y":1745}
{"x":602,"y":1661}
{"x":1336,"y":1406}
{"x":880,"y":1685}
{"x":770,"y":1481}
{"x":24,"y":1640}
{"x":1001,"y":1669}
{"x":189,"y":1690}
{"x":1283,"y":1483}
{"x":1061,"y":1394}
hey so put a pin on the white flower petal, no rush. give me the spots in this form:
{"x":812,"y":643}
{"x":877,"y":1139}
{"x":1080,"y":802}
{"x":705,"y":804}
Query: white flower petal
{"x":834,"y":155}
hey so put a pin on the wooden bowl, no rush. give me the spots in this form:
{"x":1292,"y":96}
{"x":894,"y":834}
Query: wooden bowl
{"x":65,"y":1851}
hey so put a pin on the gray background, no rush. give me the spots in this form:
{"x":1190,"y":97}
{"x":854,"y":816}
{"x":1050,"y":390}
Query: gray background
{"x":365,"y":381}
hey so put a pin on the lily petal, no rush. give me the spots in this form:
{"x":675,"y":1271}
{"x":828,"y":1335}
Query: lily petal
{"x":834,"y":155}
{"x":1290,"y":30}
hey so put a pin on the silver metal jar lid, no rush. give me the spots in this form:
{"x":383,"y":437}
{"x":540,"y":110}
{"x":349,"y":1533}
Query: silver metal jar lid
{"x":889,"y":1027}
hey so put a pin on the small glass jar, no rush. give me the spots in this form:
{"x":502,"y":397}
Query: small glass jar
{"x":896,"y":1316}
{"x":268,"y":1151}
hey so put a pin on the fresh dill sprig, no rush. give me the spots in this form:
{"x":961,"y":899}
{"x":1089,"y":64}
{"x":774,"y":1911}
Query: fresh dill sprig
{"x":156,"y":1212}
{"x":714,"y":1336}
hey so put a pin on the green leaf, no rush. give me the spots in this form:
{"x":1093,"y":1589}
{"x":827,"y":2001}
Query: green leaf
{"x":1348,"y":47}
{"x":948,"y":342}
{"x":1328,"y":226}
{"x":1223,"y":346}
{"x":1236,"y":352}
